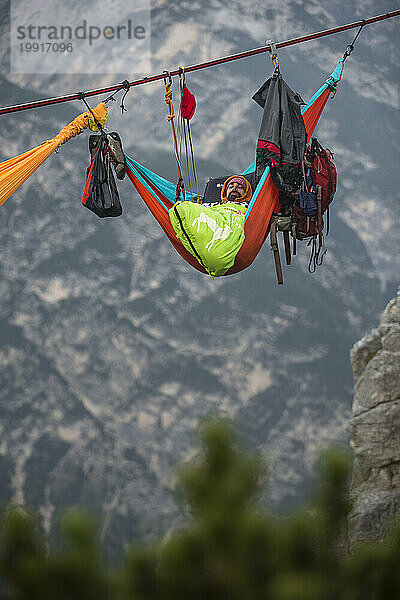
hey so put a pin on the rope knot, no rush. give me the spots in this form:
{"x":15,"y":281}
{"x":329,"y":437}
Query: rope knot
{"x":168,"y":100}
{"x":168,"y":95}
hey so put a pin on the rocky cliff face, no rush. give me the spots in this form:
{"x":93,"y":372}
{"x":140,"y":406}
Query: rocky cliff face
{"x":375,"y":427}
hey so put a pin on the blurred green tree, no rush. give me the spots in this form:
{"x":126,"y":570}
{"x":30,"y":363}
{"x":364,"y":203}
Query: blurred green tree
{"x":229,"y":548}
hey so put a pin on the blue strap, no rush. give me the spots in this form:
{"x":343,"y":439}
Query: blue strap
{"x":134,"y":166}
{"x":256,"y":192}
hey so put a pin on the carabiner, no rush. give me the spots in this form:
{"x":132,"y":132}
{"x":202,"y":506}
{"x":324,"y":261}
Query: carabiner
{"x":182,"y":75}
{"x":167,"y":74}
{"x":273,"y":53}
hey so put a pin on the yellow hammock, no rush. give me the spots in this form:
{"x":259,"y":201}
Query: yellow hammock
{"x":15,"y":171}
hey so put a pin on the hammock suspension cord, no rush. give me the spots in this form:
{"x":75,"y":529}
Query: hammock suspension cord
{"x":350,"y":47}
{"x":187,"y":133}
{"x":196,"y":67}
{"x":125,"y":86}
{"x":182,"y":134}
{"x":98,"y":124}
{"x":170,"y":117}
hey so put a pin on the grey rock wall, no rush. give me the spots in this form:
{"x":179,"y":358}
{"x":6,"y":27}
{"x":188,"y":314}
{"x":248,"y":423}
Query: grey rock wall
{"x":375,"y":428}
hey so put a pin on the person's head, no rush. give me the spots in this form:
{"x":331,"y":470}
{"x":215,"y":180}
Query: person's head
{"x":236,"y":189}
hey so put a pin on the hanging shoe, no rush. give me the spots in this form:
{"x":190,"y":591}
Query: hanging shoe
{"x":93,"y":142}
{"x":117,"y":154}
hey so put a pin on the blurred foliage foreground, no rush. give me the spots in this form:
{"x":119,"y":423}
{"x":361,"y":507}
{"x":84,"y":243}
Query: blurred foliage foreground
{"x":228,"y":549}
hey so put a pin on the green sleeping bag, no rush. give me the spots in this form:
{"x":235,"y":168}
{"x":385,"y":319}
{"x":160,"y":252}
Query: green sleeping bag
{"x":213,"y":235}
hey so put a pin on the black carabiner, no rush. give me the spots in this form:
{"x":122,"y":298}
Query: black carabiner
{"x":167,"y":74}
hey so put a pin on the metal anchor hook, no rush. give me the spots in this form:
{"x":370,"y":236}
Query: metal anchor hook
{"x":125,"y":86}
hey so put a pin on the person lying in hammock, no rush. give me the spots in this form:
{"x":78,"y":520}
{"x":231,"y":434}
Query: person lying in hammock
{"x":214,"y":232}
{"x":236,"y":188}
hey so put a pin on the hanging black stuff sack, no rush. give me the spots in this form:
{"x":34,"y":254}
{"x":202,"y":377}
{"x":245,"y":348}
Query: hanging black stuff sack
{"x":100,"y":193}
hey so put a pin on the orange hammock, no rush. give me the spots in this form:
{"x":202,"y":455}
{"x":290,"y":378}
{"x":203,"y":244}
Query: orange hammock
{"x":15,"y":171}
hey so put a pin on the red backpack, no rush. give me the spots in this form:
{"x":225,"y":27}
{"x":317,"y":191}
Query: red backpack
{"x":305,"y":219}
{"x":316,"y":192}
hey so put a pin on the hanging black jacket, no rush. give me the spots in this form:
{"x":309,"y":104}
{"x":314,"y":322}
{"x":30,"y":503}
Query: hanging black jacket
{"x":282,"y":138}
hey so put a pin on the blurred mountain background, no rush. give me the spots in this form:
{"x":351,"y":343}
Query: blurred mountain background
{"x":112,"y":348}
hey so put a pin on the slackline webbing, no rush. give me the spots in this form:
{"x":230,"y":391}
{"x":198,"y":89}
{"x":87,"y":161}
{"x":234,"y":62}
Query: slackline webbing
{"x":196,"y":67}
